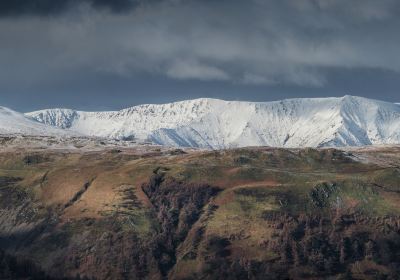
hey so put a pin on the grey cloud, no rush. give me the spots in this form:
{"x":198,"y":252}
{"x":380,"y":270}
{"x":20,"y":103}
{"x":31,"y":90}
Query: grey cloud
{"x":288,"y":42}
{"x":195,"y":70}
{"x":11,"y":8}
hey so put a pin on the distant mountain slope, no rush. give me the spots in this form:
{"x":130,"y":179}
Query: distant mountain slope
{"x":213,"y":123}
{"x":12,"y":122}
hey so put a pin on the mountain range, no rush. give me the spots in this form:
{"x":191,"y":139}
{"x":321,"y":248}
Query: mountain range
{"x":217,"y":124}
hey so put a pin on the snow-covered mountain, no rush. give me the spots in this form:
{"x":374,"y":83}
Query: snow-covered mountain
{"x":12,"y":122}
{"x":213,"y":123}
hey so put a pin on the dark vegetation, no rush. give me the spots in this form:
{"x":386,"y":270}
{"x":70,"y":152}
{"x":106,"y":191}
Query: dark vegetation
{"x":17,"y":268}
{"x":177,"y":207}
{"x":35,"y":159}
{"x":78,"y":194}
{"x":317,"y":246}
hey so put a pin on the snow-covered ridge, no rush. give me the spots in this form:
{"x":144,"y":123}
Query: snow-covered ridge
{"x":12,"y":122}
{"x":213,"y":123}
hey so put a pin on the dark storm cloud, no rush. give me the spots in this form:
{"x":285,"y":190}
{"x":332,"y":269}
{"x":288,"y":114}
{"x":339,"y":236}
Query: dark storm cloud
{"x":56,"y":7}
{"x":284,"y":45}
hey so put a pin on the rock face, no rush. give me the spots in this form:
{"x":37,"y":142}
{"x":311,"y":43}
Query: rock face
{"x":168,"y":214}
{"x":212,"y":123}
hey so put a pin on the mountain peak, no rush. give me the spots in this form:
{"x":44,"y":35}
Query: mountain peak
{"x":12,"y":122}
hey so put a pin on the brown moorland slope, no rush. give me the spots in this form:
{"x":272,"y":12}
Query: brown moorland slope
{"x":158,"y":213}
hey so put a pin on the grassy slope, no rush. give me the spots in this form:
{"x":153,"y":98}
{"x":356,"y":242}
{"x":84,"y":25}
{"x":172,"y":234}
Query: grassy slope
{"x":98,"y":196}
{"x":295,"y":183}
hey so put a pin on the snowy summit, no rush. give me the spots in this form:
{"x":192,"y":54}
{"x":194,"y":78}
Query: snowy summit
{"x":213,"y":123}
{"x":12,"y":122}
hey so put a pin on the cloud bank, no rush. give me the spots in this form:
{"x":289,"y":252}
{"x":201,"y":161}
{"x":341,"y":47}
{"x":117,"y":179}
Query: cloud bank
{"x":256,"y":42}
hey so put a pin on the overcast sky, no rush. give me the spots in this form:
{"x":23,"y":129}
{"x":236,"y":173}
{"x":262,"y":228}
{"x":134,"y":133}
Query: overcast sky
{"x":106,"y":55}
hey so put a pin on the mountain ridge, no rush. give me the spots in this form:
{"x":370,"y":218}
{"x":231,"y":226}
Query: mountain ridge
{"x":12,"y":122}
{"x":215,"y":123}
